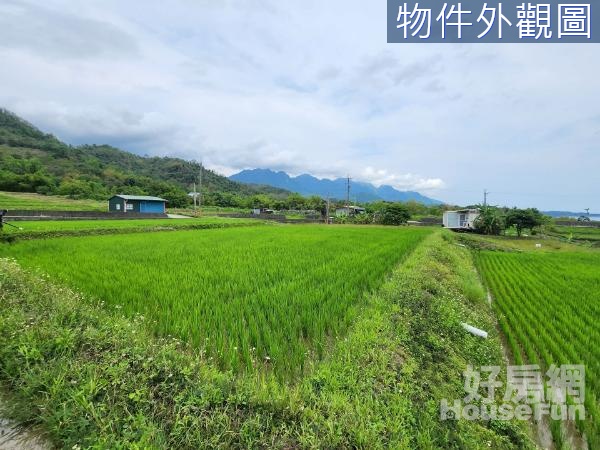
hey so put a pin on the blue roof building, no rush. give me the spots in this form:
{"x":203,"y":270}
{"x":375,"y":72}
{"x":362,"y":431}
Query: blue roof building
{"x":137,"y":203}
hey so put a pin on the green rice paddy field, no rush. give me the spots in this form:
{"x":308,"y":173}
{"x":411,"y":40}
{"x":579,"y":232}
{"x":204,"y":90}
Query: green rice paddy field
{"x":272,"y":297}
{"x":582,"y":233}
{"x":278,"y":299}
{"x":548,"y":307}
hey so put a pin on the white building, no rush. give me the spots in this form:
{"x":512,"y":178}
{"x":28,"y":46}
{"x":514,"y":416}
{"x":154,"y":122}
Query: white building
{"x":463,"y":219}
{"x":349,"y":211}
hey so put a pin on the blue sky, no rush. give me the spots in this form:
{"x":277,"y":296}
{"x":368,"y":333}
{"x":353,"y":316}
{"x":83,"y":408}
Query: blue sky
{"x":310,"y":86}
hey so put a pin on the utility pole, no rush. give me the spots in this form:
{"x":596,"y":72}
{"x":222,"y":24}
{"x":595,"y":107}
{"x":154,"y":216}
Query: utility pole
{"x":485,"y":194}
{"x":200,"y":190}
{"x":348,"y":194}
{"x":194,"y":195}
{"x":327,"y":211}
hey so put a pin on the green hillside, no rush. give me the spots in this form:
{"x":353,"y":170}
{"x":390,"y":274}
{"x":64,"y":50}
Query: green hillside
{"x":33,"y":161}
{"x":32,"y":201}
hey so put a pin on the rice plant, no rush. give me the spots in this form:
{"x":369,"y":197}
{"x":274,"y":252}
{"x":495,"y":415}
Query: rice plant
{"x":259,"y":297}
{"x":548,"y":306}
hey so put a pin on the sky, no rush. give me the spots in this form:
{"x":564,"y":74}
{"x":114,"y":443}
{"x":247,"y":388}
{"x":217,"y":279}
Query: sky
{"x":310,"y":87}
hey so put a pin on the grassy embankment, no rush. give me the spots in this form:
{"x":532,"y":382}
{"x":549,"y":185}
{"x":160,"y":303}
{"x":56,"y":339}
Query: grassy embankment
{"x":523,"y":244}
{"x":29,"y":201}
{"x":92,"y":376}
{"x":69,"y":225}
{"x":40,"y":229}
{"x":578,"y":234}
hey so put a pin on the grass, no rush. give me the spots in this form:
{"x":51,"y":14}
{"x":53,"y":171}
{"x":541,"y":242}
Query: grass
{"x":522,"y":244}
{"x":295,"y":216}
{"x":93,"y":377}
{"x":28,"y":230}
{"x":581,"y":233}
{"x":64,"y":225}
{"x":30,"y":201}
{"x":548,"y":307}
{"x":209,"y":211}
{"x":261,"y":296}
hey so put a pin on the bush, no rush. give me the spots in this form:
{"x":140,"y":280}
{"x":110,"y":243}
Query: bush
{"x":524,"y":219}
{"x":394,"y":214}
{"x":490,"y":221}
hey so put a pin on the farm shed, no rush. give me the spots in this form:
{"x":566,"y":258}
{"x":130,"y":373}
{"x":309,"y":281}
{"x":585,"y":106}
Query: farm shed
{"x":349,"y":211}
{"x":259,"y":211}
{"x":137,"y":203}
{"x":463,"y":219}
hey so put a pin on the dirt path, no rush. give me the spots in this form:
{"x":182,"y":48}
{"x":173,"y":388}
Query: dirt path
{"x":15,"y":438}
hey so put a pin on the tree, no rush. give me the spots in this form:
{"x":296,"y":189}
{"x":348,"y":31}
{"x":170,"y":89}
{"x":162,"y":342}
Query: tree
{"x":394,"y":214}
{"x":296,"y":201}
{"x":524,"y":219}
{"x":376,"y":207}
{"x":490,"y":221}
{"x":279,"y":204}
{"x":315,"y":203}
{"x":415,"y":208}
{"x":75,"y":189}
{"x":176,"y":198}
{"x":259,"y":201}
{"x":363,"y":219}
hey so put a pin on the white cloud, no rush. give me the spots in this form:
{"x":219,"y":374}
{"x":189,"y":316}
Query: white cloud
{"x":401,"y":181}
{"x":308,"y":86}
{"x":55,"y":34}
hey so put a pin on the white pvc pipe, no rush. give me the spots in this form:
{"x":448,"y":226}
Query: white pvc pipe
{"x":475,"y":331}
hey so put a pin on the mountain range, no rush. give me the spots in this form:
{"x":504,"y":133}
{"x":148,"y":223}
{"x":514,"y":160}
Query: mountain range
{"x":34,"y":161}
{"x":336,"y":189}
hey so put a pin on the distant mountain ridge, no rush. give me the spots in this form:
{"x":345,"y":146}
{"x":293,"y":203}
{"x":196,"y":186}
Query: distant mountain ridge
{"x":34,"y":161}
{"x":309,"y":185}
{"x":593,"y":216}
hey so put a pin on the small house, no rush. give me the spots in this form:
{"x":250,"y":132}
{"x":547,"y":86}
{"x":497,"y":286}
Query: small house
{"x":137,"y":203}
{"x":349,"y":211}
{"x":259,"y":211}
{"x":463,"y":219}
